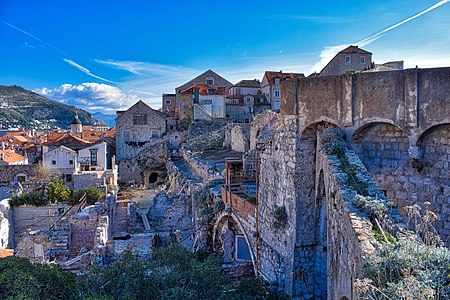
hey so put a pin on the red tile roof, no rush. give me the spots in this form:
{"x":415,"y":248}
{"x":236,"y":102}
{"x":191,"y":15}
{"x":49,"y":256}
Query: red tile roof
{"x":202,"y":89}
{"x":9,"y":156}
{"x":271,"y":75}
{"x":354,"y":49}
{"x":6,"y":252}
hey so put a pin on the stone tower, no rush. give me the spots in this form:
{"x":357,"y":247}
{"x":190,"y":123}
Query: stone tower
{"x":76,"y":127}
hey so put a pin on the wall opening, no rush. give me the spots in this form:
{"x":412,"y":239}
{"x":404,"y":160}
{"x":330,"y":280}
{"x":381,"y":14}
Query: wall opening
{"x":153,"y":177}
{"x":321,"y":261}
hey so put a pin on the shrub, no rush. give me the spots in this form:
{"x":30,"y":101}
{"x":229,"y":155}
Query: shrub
{"x":20,"y":279}
{"x":33,"y":199}
{"x":57,"y":191}
{"x":280,"y":217}
{"x":92,"y":195}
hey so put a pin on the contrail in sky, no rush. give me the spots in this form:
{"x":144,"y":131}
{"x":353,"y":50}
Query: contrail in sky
{"x":86,"y":70}
{"x":70,"y":62}
{"x":35,"y":37}
{"x":329,"y":52}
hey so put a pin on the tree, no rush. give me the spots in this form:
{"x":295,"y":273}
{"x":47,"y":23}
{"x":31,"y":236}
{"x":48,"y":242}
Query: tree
{"x":20,"y":279}
{"x":46,"y":173}
{"x":57,"y":191}
{"x":92,"y":195}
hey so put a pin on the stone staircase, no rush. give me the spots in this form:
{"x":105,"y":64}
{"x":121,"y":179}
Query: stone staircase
{"x":61,"y":240}
{"x":120,"y":218}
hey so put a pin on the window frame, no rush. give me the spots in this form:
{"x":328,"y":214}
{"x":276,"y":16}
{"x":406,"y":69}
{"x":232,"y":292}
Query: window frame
{"x":348,"y":59}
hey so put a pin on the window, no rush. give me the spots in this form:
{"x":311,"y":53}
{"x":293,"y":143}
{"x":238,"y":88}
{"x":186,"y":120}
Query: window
{"x":140,"y":120}
{"x":168,"y":101}
{"x":209,"y":81}
{"x":170,"y":127}
{"x":53,"y":162}
{"x":248,"y":99}
{"x":235,"y":101}
{"x":277,"y":80}
{"x":68,"y":177}
{"x":242,"y":251}
{"x":238,"y":91}
{"x":347,"y":59}
{"x":276,"y":94}
{"x":155,"y":134}
{"x":93,"y":157}
{"x":362,"y":59}
{"x":276,"y":105}
{"x":71,"y":162}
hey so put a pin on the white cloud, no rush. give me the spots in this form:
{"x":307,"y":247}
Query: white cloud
{"x":85,"y":70}
{"x":94,"y":97}
{"x":329,"y":52}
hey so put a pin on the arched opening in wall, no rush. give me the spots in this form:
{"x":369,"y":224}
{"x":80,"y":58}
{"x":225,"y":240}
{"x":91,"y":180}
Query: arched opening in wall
{"x":381,"y":146}
{"x":321,"y":258}
{"x":310,"y":132}
{"x":153,"y":178}
{"x":230,"y":242}
{"x":383,"y":149}
{"x":434,"y":144}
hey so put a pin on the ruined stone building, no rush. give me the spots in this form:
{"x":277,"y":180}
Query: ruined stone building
{"x":305,"y":231}
{"x":140,"y":148}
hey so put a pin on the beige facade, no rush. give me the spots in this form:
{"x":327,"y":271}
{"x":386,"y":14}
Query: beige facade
{"x":350,"y":59}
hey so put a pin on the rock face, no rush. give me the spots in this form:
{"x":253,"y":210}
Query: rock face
{"x":23,"y":108}
{"x":204,"y":135}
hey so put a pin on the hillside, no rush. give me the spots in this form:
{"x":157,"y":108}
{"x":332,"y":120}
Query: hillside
{"x":23,"y":108}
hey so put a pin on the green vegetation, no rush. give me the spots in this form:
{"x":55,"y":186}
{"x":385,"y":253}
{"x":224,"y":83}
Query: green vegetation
{"x":251,"y":199}
{"x":57,"y":191}
{"x":280,"y":217}
{"x":33,"y":199}
{"x":208,"y":209}
{"x":172,"y":273}
{"x":92,"y":195}
{"x":23,"y":280}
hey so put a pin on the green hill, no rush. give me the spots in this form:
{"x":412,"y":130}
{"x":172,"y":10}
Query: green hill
{"x":23,"y":108}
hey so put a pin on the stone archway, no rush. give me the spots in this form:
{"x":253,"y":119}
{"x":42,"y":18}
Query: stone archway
{"x":231,"y":242}
{"x":153,"y":177}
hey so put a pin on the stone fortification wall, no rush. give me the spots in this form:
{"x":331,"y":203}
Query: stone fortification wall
{"x":398,"y":122}
{"x":203,"y":135}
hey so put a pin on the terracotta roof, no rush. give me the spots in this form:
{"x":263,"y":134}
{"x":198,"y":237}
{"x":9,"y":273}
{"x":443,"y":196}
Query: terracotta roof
{"x":90,"y":136}
{"x":202,"y":89}
{"x":6,"y":252}
{"x":271,"y":75}
{"x":70,"y":141}
{"x":354,"y":49}
{"x":20,"y":138}
{"x":255,"y":83}
{"x":9,"y":156}
{"x":205,"y":74}
{"x":87,"y":128}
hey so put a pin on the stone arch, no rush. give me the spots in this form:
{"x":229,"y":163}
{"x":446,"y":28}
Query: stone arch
{"x":21,"y":177}
{"x":231,"y":221}
{"x":153,"y":177}
{"x":310,"y":131}
{"x":381,"y":145}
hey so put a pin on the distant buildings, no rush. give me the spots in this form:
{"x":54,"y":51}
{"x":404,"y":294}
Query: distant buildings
{"x":271,"y":86}
{"x":355,"y":59}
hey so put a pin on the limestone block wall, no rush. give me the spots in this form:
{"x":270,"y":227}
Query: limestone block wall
{"x":240,"y":138}
{"x":278,"y":189}
{"x":384,"y":150}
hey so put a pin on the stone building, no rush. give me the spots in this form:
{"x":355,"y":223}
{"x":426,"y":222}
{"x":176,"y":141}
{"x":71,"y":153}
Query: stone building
{"x":351,"y":58}
{"x":271,"y":86}
{"x":169,"y":109}
{"x":140,"y":148}
{"x":184,"y":105}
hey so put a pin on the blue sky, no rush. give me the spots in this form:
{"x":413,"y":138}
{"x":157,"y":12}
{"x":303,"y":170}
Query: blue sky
{"x":104,"y":55}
